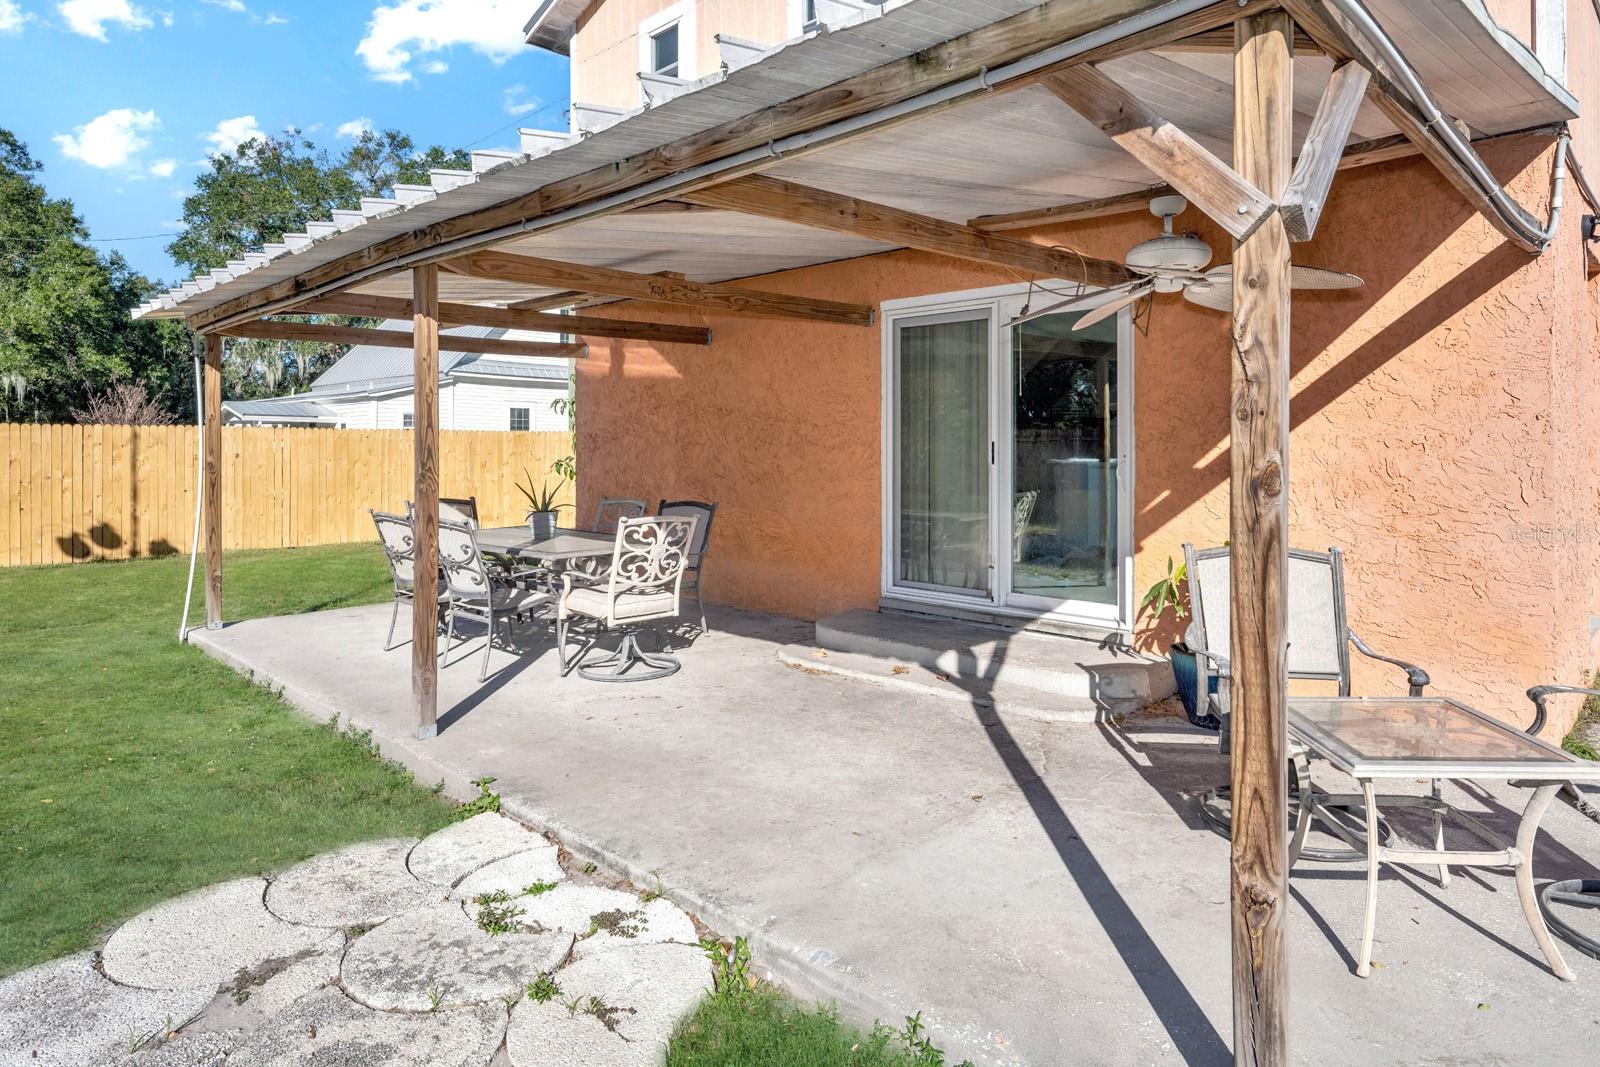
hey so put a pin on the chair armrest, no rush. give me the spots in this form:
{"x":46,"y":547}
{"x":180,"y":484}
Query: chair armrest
{"x":1416,"y":677}
{"x":1219,"y":662}
{"x":1540,"y":693}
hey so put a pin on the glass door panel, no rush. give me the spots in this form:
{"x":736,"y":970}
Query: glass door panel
{"x":942,"y":452}
{"x":1064,"y":500}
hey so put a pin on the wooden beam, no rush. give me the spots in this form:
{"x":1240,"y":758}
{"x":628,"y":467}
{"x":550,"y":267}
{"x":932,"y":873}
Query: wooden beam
{"x":1342,"y":43}
{"x":773,"y":198}
{"x":546,"y":303}
{"x":1210,"y":184}
{"x":988,"y":47}
{"x":395,"y":307}
{"x":1220,"y":42}
{"x":1322,"y":150}
{"x":501,"y":266}
{"x":1076,"y":211}
{"x":211,"y":447}
{"x":272,"y":330}
{"x":425,"y":502}
{"x":1263,"y":138}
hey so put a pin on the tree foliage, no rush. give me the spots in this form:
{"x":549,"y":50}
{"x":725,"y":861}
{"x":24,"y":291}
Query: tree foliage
{"x":65,"y":334}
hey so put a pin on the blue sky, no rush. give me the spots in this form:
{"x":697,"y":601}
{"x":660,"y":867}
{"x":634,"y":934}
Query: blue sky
{"x":121,"y":99}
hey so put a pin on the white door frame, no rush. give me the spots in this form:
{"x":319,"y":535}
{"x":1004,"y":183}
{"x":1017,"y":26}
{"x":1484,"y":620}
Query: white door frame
{"x":1001,"y":303}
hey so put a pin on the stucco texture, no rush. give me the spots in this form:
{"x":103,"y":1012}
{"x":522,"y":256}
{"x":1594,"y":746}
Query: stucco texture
{"x":1442,"y":419}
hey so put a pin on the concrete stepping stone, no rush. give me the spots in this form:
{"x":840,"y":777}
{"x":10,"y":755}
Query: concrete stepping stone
{"x":265,"y":994}
{"x":67,"y":1014}
{"x":355,"y":886}
{"x":328,"y":1029}
{"x":202,"y":939}
{"x":588,"y":909}
{"x":204,"y":1048}
{"x":512,"y":875}
{"x":444,"y":858}
{"x":617,"y":1008}
{"x":437,"y":957}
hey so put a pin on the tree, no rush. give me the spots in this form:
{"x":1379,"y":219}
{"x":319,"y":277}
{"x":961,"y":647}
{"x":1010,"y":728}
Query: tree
{"x":124,"y":404}
{"x":378,"y":161}
{"x":64,"y":327}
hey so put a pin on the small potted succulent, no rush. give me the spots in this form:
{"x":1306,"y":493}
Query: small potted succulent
{"x":542,"y":506}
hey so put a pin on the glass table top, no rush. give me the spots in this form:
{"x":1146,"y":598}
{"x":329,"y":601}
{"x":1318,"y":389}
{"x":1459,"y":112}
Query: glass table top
{"x":1428,"y":736}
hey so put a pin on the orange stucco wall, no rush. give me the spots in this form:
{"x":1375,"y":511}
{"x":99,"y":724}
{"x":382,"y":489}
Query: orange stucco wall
{"x":1443,"y":430}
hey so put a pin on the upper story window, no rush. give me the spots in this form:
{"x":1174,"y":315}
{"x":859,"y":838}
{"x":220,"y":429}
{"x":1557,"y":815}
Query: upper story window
{"x":666,"y":42}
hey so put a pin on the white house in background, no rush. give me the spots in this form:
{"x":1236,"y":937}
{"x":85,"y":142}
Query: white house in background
{"x":370,"y":389}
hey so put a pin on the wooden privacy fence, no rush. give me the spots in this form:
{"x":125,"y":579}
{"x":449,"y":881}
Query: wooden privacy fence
{"x":114,"y":492}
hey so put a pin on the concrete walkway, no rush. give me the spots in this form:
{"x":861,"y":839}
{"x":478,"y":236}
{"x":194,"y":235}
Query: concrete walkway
{"x":385,"y":954}
{"x":1042,"y":892}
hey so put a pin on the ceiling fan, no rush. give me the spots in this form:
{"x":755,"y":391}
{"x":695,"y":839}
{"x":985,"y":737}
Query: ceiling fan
{"x":1175,"y":262}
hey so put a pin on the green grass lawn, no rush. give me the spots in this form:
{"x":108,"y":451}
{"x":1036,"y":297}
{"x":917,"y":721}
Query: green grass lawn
{"x":134,"y":769}
{"x":766,"y":1027}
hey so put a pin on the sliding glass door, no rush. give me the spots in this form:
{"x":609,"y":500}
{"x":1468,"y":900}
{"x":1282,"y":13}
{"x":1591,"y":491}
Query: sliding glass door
{"x":941,"y":479}
{"x":1008,"y":468}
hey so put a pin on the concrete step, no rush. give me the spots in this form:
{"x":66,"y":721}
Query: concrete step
{"x":999,"y":699}
{"x":1020,"y":668}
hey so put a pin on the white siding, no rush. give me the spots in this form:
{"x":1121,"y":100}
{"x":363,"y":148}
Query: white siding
{"x":487,"y":405}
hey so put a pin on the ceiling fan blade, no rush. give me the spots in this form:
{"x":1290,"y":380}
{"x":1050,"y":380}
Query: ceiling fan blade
{"x":1218,"y":296}
{"x":1300,"y":277}
{"x":1073,"y":303}
{"x":1111,"y":307}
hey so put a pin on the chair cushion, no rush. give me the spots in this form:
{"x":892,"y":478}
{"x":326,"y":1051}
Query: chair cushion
{"x":592,"y":602}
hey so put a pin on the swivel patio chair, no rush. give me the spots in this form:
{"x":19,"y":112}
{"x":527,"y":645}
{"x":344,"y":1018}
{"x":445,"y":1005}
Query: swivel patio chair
{"x":699,"y":545}
{"x":459,"y":509}
{"x":1319,"y":639}
{"x":643,"y":584}
{"x":612,"y":509}
{"x":1572,"y":892}
{"x":399,"y":549}
{"x":474,"y":592}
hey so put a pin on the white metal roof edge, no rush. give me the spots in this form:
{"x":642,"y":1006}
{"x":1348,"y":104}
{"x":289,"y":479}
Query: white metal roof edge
{"x":1522,"y":55}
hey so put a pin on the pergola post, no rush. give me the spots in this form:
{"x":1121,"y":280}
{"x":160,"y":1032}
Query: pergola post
{"x":211,"y":459}
{"x":425,"y":512}
{"x":1263,"y":119}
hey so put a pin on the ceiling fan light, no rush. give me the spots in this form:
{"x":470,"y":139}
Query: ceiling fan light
{"x":1169,"y":252}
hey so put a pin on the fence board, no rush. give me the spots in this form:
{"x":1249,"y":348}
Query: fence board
{"x":114,"y":492}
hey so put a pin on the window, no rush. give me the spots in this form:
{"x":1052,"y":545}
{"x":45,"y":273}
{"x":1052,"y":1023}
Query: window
{"x":664,"y":51}
{"x":519,"y":418}
{"x":407,"y":421}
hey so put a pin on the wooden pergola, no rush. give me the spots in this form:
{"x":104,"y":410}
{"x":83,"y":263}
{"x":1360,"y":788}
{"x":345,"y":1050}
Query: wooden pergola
{"x":1267,"y":199}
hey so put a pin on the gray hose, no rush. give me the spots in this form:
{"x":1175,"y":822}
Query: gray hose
{"x":199,"y":486}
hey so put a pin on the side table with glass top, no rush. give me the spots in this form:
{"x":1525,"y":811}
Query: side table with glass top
{"x":1373,"y":739}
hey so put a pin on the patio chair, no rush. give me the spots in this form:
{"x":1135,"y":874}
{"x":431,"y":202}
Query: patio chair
{"x":476,"y":593}
{"x":1572,"y":892}
{"x":613,"y":508}
{"x":1319,"y":641}
{"x":461,"y":509}
{"x":399,"y":548}
{"x":699,"y":544}
{"x":643,"y":584}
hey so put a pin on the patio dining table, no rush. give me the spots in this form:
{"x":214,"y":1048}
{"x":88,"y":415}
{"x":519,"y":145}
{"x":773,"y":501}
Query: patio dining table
{"x":1376,"y":739}
{"x":564,"y":546}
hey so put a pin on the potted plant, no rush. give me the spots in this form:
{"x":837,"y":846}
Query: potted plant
{"x":1168,"y":592}
{"x":542,"y":506}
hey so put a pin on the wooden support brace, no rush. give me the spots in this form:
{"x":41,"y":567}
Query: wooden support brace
{"x":394,"y":307}
{"x":1230,"y":200}
{"x":1263,"y":134}
{"x":774,"y":198}
{"x":502,"y":266}
{"x":211,"y":458}
{"x":425,"y":504}
{"x":355,"y":335}
{"x":1323,"y":149}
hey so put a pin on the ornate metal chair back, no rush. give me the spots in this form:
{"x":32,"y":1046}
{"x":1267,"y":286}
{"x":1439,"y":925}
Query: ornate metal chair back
{"x":651,"y":553}
{"x":399,"y":545}
{"x":465,"y":575}
{"x":612,"y":509}
{"x":459,"y":509}
{"x":696,"y":509}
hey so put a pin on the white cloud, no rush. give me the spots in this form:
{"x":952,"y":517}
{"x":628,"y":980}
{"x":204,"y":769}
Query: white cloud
{"x":163,"y":168}
{"x":12,"y":17}
{"x":515,"y":100}
{"x":435,"y":66}
{"x":410,"y":29}
{"x":274,"y":19}
{"x":228,"y":5}
{"x":109,"y":140}
{"x":231,"y":133}
{"x":90,"y":17}
{"x":353,"y":128}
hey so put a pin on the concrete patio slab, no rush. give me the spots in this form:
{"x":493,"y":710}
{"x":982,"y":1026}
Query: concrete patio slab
{"x":1042,"y":892}
{"x":537,"y":866}
{"x":588,"y":909}
{"x":327,"y":1027}
{"x":355,"y":886}
{"x":66,"y":1014}
{"x":456,"y":851}
{"x":202,"y":939}
{"x":435,"y":957}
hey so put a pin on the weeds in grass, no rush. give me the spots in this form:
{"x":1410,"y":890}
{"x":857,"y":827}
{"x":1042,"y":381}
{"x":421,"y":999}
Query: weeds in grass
{"x":543,"y":988}
{"x":589,"y":868}
{"x":484,"y":801}
{"x":730,"y":968}
{"x":537,"y":889}
{"x":496,"y":914}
